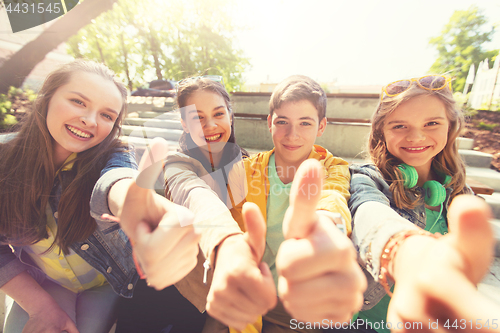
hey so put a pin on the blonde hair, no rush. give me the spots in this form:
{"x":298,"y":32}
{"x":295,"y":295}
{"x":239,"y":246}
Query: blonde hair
{"x":448,"y":161}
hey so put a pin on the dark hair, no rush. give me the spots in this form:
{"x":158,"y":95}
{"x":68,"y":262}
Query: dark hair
{"x":185,"y":89}
{"x":27,"y":171}
{"x":297,"y":88}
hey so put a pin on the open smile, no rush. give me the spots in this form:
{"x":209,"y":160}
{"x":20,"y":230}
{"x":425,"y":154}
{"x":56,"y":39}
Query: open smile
{"x":213,"y":138}
{"x":413,"y":150}
{"x":78,"y":133}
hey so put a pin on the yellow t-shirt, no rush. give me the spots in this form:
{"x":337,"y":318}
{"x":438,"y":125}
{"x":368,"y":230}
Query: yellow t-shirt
{"x":70,"y":271}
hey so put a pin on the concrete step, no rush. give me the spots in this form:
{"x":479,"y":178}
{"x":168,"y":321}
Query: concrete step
{"x":155,"y":123}
{"x":6,"y":137}
{"x":494,"y":202}
{"x":173,"y":115}
{"x":139,"y":145}
{"x":488,"y":177}
{"x":474,"y":158}
{"x":151,"y":132}
{"x":140,"y":103}
{"x":496,"y":232}
{"x":465,"y":143}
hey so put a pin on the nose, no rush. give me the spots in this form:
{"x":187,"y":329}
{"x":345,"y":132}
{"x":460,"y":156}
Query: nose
{"x":292,"y":133}
{"x":89,"y":119}
{"x":415,"y":135}
{"x":210,"y":123}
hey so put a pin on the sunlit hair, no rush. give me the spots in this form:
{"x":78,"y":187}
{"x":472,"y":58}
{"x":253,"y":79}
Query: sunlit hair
{"x":27,"y":171}
{"x":185,"y":90}
{"x":448,"y":161}
{"x":295,"y":89}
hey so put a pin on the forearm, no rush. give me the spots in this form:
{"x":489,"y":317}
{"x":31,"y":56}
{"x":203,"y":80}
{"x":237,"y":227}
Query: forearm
{"x":117,"y":195}
{"x":374,"y":224}
{"x":28,"y":293}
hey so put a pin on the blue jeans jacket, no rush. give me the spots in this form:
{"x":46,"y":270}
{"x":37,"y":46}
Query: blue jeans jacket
{"x":108,"y":249}
{"x":370,"y":236}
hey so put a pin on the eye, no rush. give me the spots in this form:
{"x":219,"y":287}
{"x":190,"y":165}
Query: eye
{"x":197,"y":117}
{"x":432,"y":123}
{"x":77,"y":101}
{"x":281,"y":122}
{"x":305,"y":123}
{"x":398,"y":127}
{"x":218,"y":114}
{"x":107,"y":116}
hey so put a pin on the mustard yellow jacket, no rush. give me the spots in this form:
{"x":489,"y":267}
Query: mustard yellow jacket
{"x":335,"y":192}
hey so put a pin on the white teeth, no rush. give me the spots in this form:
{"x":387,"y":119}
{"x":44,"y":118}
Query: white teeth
{"x":213,"y":137}
{"x":77,"y":132}
{"x":421,"y":148}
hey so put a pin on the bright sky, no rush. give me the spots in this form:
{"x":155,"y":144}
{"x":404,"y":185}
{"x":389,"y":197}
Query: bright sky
{"x":356,"y":42}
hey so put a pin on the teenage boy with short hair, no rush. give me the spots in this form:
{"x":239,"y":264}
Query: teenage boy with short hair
{"x":296,"y":119}
{"x":319,"y":278}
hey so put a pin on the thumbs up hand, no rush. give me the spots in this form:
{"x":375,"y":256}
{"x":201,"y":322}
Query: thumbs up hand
{"x":165,"y":243}
{"x":242,"y":287}
{"x":436,"y":278}
{"x":319,"y":277}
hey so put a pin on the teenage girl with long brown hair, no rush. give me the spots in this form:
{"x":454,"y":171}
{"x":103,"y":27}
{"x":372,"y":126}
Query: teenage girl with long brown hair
{"x":61,"y":264}
{"x":401,"y":204}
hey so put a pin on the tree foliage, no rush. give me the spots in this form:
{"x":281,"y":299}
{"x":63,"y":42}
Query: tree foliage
{"x":461,"y":45}
{"x":157,"y":39}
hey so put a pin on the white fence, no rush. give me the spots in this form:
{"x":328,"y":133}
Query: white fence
{"x":485,"y":92}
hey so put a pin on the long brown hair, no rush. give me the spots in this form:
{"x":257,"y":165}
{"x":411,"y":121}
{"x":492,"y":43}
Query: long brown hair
{"x":447,"y":162}
{"x":27,"y":171}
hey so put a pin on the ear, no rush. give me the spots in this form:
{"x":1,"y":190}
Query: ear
{"x":321,"y":127}
{"x":269,"y":122}
{"x":184,"y":127}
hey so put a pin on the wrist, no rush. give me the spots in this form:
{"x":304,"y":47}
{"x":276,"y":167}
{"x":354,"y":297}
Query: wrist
{"x":394,"y":253}
{"x":228,"y":244}
{"x":336,"y":218}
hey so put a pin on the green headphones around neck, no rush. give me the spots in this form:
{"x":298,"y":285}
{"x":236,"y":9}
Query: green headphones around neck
{"x":434,"y":191}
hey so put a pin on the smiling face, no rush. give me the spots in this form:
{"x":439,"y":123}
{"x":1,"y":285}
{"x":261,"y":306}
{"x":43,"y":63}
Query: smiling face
{"x":209,"y":121}
{"x":417,"y":131}
{"x":81,"y":114}
{"x":294,"y":128}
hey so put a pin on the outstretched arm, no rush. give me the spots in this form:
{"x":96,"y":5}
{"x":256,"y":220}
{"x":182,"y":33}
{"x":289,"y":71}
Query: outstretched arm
{"x":165,"y":242}
{"x":436,"y":278}
{"x":241,"y":282}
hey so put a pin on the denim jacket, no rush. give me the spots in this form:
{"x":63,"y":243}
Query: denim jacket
{"x":108,"y":249}
{"x":371,"y":234}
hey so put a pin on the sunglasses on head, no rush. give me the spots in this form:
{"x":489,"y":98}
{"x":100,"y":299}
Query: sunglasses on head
{"x":428,"y":82}
{"x":215,"y":78}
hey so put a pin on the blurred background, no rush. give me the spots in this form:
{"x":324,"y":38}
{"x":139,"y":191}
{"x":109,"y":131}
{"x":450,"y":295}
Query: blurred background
{"x":345,"y":45}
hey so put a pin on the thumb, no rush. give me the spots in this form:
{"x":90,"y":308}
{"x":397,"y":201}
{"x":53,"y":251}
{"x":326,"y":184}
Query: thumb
{"x":156,"y":151}
{"x":255,"y":236}
{"x":471,"y":234}
{"x":305,"y":193}
{"x":151,"y":164}
{"x":70,"y":327}
{"x":142,"y":232}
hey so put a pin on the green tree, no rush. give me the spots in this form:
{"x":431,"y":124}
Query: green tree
{"x":461,"y":45}
{"x":165,"y":40}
